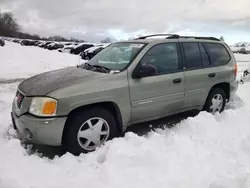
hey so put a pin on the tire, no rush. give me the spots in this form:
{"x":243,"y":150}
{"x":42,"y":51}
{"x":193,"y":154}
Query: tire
{"x":215,"y":93}
{"x":78,"y":122}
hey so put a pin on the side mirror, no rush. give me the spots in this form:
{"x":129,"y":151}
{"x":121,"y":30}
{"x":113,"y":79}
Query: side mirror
{"x":144,"y":71}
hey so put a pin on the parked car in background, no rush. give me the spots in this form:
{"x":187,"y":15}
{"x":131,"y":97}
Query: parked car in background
{"x":126,"y":83}
{"x":28,"y":42}
{"x":2,"y":42}
{"x":91,"y":52}
{"x":41,"y":43}
{"x":55,"y":46}
{"x":80,"y":48}
{"x":67,"y":48}
{"x":37,"y":43}
{"x":17,"y":41}
{"x":243,"y":51}
{"x":46,"y":45}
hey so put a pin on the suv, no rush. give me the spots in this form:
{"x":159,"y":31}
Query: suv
{"x":126,"y":83}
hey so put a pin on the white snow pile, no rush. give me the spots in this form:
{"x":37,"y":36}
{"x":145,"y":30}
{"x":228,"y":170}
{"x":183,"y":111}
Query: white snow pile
{"x":205,"y":151}
{"x":24,"y":61}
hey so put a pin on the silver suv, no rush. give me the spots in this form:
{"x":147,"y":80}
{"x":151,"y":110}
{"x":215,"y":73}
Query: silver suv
{"x":126,"y":83}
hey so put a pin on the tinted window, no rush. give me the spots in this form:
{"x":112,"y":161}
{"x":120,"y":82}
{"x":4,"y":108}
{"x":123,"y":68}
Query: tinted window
{"x":218,"y":53}
{"x":204,"y":56}
{"x":164,"y":57}
{"x":192,"y":55}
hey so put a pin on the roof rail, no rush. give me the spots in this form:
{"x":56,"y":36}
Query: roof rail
{"x":175,"y":36}
{"x":155,"y":35}
{"x":195,"y":37}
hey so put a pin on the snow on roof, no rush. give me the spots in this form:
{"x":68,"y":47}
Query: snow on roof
{"x":80,"y":44}
{"x":105,"y":44}
{"x":92,"y":49}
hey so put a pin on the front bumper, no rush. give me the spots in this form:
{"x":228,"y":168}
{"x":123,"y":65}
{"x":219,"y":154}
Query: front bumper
{"x":46,"y":131}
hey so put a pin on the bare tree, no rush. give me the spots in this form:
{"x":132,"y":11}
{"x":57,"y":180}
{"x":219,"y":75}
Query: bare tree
{"x":8,"y":25}
{"x":106,"y":40}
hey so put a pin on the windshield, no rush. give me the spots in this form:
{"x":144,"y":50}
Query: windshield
{"x":117,"y":56}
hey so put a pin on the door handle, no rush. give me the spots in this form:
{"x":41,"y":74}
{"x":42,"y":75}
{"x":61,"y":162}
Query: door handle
{"x":177,"y":80}
{"x":211,"y":75}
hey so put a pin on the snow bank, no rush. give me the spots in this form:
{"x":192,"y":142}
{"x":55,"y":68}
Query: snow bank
{"x":205,"y":151}
{"x":24,"y":61}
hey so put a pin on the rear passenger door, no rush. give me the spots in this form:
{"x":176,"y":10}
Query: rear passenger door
{"x":198,"y":74}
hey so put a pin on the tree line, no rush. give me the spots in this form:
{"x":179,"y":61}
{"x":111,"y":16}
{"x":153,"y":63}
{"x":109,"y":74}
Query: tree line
{"x":9,"y":27}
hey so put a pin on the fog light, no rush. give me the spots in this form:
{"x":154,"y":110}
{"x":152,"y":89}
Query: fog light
{"x":28,"y":134}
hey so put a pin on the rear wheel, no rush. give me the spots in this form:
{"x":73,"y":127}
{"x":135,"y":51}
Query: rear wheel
{"x":216,"y":101}
{"x":90,"y":129}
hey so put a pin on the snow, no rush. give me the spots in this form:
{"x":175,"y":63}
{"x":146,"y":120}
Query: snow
{"x":235,"y":49}
{"x":203,"y":151}
{"x":92,"y":49}
{"x":24,"y":61}
{"x":80,"y":44}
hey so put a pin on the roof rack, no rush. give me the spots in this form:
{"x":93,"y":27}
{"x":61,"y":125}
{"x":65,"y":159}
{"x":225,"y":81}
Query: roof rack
{"x":197,"y":37}
{"x":144,"y":37}
{"x":175,"y":36}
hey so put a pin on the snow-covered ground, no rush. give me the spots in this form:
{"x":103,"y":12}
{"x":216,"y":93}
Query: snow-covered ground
{"x":204,"y":151}
{"x":23,"y":61}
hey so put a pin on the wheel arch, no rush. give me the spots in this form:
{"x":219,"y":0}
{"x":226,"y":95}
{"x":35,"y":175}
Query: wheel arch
{"x":109,"y":105}
{"x":225,"y":86}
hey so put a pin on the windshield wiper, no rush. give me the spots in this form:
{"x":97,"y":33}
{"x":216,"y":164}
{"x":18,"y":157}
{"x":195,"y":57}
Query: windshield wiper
{"x":105,"y":69}
{"x":88,"y":66}
{"x":85,"y":66}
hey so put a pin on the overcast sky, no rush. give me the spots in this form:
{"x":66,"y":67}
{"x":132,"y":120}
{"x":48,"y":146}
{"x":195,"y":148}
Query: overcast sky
{"x":95,"y":19}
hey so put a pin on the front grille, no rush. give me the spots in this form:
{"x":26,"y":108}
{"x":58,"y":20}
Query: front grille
{"x":19,"y":99}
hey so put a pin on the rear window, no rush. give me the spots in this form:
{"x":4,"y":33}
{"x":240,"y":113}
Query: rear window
{"x":218,"y":53}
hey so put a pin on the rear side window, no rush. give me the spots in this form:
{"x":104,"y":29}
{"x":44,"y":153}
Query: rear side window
{"x":192,"y":55}
{"x":218,"y":53}
{"x":204,"y":56}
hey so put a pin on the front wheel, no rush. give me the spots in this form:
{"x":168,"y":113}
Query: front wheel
{"x":90,"y":129}
{"x":216,"y":101}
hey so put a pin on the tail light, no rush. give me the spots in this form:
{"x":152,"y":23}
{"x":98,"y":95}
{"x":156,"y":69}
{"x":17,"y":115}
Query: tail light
{"x":235,"y":69}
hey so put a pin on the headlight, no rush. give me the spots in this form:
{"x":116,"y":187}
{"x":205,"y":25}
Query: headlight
{"x":43,"y":106}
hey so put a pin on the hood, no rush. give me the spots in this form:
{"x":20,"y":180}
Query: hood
{"x":44,"y":83}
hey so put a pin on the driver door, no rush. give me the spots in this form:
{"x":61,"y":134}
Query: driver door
{"x":162,"y":93}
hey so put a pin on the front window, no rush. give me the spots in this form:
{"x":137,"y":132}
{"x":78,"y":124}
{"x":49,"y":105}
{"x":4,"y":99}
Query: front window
{"x":117,"y":56}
